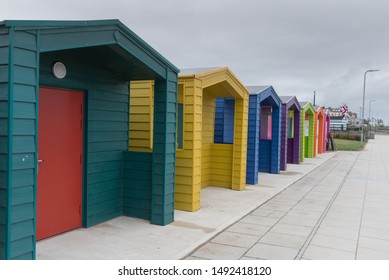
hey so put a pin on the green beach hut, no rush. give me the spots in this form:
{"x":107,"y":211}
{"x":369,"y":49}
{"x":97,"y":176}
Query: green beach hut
{"x":307,"y":130}
{"x":64,"y":107}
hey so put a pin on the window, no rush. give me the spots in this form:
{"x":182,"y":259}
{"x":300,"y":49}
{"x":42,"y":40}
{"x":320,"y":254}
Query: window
{"x":224,"y":121}
{"x":290,"y":124}
{"x":306,"y":128}
{"x":266,"y":123}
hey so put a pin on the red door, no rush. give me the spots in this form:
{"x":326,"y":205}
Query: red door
{"x":60,"y":143}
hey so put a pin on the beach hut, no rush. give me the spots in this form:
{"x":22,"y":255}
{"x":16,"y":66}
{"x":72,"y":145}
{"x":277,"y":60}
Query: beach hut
{"x":264,"y":132}
{"x":307,"y":128}
{"x":290,"y":131}
{"x":64,"y":103}
{"x":202,"y":158}
{"x":319,"y":131}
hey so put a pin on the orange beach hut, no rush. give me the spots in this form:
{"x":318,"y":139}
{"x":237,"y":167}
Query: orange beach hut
{"x":319,"y":130}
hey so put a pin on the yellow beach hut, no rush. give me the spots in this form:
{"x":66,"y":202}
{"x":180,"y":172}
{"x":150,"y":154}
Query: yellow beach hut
{"x":200,"y":162}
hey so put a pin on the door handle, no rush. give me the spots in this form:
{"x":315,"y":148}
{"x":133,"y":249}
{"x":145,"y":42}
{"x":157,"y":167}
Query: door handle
{"x":40,"y":160}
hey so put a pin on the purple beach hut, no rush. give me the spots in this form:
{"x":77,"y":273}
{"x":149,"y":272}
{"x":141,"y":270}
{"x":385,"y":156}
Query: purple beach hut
{"x":290,"y":131}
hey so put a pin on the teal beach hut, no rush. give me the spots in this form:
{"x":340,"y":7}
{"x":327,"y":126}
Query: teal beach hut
{"x":64,"y":124}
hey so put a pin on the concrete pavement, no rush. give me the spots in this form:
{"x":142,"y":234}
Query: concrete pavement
{"x":334,"y":206}
{"x":130,"y":238}
{"x":338,"y":211}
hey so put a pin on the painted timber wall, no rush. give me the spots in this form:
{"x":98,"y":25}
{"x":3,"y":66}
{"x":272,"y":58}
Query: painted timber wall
{"x":201,"y":160}
{"x":290,"y":131}
{"x":100,"y":58}
{"x":4,"y":139}
{"x":307,"y":126}
{"x":263,"y":142}
{"x":19,"y":60}
{"x":319,"y":131}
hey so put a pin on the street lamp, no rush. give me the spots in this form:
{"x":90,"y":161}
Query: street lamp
{"x":363,"y":101}
{"x":369,"y":116}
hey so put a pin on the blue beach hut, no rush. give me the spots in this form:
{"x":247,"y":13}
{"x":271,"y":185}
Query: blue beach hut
{"x":264,"y":121}
{"x":264,"y":132}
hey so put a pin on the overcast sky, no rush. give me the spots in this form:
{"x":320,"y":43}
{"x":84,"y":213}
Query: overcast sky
{"x":297,"y":46}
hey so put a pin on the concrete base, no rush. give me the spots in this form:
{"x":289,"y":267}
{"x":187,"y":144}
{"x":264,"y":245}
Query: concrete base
{"x":130,"y":238}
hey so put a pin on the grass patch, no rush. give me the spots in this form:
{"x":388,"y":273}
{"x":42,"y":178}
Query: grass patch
{"x":347,"y":145}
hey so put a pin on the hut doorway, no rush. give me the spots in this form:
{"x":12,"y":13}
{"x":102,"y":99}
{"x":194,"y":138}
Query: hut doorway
{"x":60,"y":146}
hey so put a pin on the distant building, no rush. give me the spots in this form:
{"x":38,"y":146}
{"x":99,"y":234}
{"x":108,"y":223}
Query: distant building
{"x":337,"y":120}
{"x":338,"y":123}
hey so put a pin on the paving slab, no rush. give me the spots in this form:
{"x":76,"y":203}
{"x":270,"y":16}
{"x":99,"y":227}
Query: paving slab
{"x":336,"y":243}
{"x":370,"y":254}
{"x":235,"y":239}
{"x":374,"y":233}
{"x":292,"y":229}
{"x":277,"y":214}
{"x":213,"y":251}
{"x":345,"y":233}
{"x":247,"y":228}
{"x":315,"y":252}
{"x":283,"y":240}
{"x":265,"y":221}
{"x":299,"y":221}
{"x":373,"y":243}
{"x":353,"y":224}
{"x":272,"y":252}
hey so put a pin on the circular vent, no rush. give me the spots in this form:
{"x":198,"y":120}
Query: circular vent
{"x":59,"y":70}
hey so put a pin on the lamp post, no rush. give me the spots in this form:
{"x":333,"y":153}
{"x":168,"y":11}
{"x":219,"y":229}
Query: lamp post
{"x":369,"y":116}
{"x":363,"y":101}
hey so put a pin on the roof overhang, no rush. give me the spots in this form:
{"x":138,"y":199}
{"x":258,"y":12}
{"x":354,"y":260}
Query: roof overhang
{"x":319,"y":111}
{"x":105,"y":42}
{"x":266,"y":94}
{"x":290,"y":102}
{"x":220,"y":82}
{"x":308,"y":108}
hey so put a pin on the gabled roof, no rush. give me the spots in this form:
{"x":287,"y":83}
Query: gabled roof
{"x":289,"y":101}
{"x":319,"y":110}
{"x":307,"y":106}
{"x":317,"y":107}
{"x":108,"y":43}
{"x":286,"y":99}
{"x":303,"y":104}
{"x":220,"y":82}
{"x":257,"y":89}
{"x":264,"y":92}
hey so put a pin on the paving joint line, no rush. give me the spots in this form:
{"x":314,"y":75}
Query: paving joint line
{"x":308,"y":191}
{"x":363,"y":207}
{"x":238,"y":220}
{"x":324,"y":214}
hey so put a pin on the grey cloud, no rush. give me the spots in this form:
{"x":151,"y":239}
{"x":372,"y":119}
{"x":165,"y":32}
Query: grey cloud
{"x":296,"y":46}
